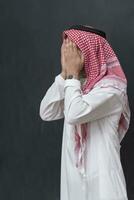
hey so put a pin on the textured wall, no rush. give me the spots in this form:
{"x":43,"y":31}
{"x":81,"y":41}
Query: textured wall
{"x":30,"y":40}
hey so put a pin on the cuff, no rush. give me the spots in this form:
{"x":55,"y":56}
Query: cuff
{"x":59,"y":79}
{"x":72,"y":82}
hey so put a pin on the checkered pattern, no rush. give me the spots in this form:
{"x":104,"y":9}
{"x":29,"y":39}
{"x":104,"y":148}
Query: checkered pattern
{"x":100,"y":61}
{"x":98,"y":54}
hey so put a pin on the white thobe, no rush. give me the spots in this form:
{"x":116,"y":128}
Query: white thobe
{"x":102,"y":108}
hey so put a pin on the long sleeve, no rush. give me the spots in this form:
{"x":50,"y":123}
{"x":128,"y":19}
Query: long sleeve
{"x":52,"y":104}
{"x":82,"y":108}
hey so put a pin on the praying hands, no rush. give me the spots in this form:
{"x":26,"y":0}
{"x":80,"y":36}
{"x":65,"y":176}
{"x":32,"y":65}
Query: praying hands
{"x":72,"y":59}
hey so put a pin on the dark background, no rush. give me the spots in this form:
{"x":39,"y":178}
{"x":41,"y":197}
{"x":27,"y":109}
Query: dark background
{"x":30,"y":41}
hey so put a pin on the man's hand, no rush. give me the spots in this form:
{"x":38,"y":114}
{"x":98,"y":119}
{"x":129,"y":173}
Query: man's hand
{"x":72,"y":59}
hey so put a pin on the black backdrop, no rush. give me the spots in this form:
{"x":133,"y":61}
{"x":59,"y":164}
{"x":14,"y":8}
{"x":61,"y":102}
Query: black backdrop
{"x":30,"y":41}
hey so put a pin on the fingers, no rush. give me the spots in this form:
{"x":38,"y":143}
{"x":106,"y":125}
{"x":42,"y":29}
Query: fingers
{"x":69,"y":45}
{"x":74,"y":45}
{"x":68,"y":42}
{"x":63,"y":47}
{"x":82,"y":57}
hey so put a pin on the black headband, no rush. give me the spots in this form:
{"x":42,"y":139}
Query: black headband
{"x":88,"y":29}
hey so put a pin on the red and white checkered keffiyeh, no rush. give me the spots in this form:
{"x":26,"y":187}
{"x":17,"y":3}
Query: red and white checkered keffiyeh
{"x":100,"y":62}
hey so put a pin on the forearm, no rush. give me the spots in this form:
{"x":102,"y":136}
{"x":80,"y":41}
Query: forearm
{"x":52,"y":104}
{"x":98,"y":103}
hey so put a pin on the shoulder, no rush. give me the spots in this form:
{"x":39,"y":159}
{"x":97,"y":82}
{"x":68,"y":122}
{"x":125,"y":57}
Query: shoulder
{"x":106,"y":90}
{"x":111,"y":86}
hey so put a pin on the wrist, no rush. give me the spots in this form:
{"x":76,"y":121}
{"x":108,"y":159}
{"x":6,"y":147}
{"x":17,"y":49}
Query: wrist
{"x":63,"y":74}
{"x":74,"y":75}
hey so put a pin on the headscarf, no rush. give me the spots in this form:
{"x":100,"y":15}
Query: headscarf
{"x":100,"y":62}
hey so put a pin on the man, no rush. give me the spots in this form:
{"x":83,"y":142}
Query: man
{"x":96,"y":117}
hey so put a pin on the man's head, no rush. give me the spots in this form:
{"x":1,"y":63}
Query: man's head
{"x":90,"y":45}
